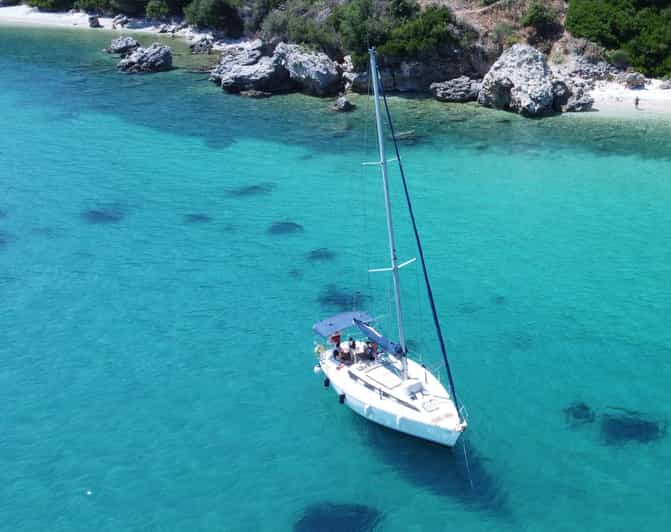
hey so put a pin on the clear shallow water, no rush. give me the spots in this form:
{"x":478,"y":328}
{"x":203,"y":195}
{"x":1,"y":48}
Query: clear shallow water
{"x":163,"y":361}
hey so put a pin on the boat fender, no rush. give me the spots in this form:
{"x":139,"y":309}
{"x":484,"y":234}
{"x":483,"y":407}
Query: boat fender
{"x":398,"y":420}
{"x":317,"y":369}
{"x":327,"y":381}
{"x":366,"y":409}
{"x":341,"y":398}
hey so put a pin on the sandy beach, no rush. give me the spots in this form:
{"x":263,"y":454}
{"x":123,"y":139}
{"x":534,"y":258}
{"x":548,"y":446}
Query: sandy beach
{"x":26,"y":15}
{"x":611,"y":98}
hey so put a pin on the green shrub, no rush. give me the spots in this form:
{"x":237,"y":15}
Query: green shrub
{"x":365,"y":23}
{"x":157,"y":9}
{"x":641,"y":28}
{"x":299,"y":21}
{"x":540,"y":16}
{"x":93,"y":6}
{"x":217,"y":14}
{"x":129,"y":7}
{"x":502,"y":32}
{"x":619,"y":58}
{"x":426,"y":33}
{"x":52,"y":5}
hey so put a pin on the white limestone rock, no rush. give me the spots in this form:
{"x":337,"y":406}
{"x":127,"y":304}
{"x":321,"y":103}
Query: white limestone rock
{"x":154,"y":58}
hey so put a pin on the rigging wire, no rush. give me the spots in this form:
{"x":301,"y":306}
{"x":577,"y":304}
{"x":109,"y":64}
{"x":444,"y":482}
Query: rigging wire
{"x":468,"y":466}
{"x":429,"y":291}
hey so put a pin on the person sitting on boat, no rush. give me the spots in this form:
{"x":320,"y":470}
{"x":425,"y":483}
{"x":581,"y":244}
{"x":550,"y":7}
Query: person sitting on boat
{"x":336,"y":353}
{"x":352,"y":345}
{"x":335,"y":339}
{"x":371,"y":350}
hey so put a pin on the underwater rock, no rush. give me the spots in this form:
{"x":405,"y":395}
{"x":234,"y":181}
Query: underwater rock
{"x":498,"y":299}
{"x":250,"y":190}
{"x":285,"y":228}
{"x":468,"y":308}
{"x":256,"y":95}
{"x":333,"y":297}
{"x":44,"y":231}
{"x":3,"y":214}
{"x":343,"y":105}
{"x":621,"y":428}
{"x":4,"y":239}
{"x":578,"y":413}
{"x":333,"y":517}
{"x":522,"y":341}
{"x":407,"y":136}
{"x":320,"y":254}
{"x":122,"y":45}
{"x":104,"y":214}
{"x":296,"y":273}
{"x":197,"y":218}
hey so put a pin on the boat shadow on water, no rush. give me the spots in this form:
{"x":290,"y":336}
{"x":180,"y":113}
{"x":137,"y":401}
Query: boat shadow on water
{"x":448,"y":472}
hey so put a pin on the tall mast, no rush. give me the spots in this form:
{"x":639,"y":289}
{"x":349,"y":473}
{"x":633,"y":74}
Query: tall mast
{"x":387,"y":206}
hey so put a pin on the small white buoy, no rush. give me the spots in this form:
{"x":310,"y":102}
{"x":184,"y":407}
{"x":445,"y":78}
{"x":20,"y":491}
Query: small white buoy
{"x":89,"y":492}
{"x":317,"y":369}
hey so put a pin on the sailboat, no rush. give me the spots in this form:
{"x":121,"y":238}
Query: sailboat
{"x":372,"y":374}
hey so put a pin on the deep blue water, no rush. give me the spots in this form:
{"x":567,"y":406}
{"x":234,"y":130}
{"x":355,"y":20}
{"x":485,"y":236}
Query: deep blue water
{"x":155,"y":339}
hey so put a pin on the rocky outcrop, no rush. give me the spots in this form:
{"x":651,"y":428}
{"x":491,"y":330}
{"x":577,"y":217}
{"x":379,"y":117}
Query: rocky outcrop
{"x":94,"y":22}
{"x":665,"y":85}
{"x":313,"y":72}
{"x":417,"y":76}
{"x":122,"y":45}
{"x":579,"y":101}
{"x":570,"y":97}
{"x":461,"y":89}
{"x":343,"y":105}
{"x":634,"y":80}
{"x":120,"y":20}
{"x":254,"y":66}
{"x":202,"y":46}
{"x":154,"y":58}
{"x":595,"y":71}
{"x":521,"y":81}
{"x":266,"y":74}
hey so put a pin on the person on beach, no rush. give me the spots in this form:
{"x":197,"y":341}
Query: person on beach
{"x":636,"y":100}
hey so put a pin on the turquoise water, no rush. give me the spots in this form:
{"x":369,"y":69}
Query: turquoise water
{"x":155,"y":348}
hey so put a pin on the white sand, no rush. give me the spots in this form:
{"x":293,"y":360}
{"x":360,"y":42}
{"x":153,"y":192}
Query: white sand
{"x":26,"y":15}
{"x":613,"y":98}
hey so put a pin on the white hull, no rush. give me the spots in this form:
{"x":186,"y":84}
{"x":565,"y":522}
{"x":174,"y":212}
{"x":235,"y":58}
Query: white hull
{"x":374,"y":391}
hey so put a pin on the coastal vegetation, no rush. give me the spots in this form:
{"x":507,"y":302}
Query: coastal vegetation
{"x":634,"y":33}
{"x":637,"y":32}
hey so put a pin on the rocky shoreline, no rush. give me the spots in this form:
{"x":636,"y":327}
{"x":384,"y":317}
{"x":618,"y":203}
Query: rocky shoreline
{"x":520,"y":80}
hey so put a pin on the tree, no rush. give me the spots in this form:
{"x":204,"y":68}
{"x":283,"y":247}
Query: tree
{"x":129,"y":7}
{"x":157,"y":9}
{"x":539,"y":16}
{"x":217,"y":14}
{"x":51,"y":5}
